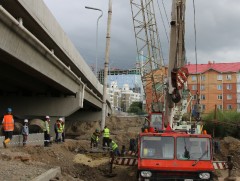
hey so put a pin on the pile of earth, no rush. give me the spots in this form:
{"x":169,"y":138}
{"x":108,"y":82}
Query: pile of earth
{"x":122,"y":129}
{"x":230,"y":146}
{"x":74,"y":156}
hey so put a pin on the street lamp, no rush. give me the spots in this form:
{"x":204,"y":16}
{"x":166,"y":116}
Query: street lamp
{"x":96,"y":61}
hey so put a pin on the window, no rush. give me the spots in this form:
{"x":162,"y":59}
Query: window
{"x":219,"y":87}
{"x":220,"y":97}
{"x":238,"y":106}
{"x":229,"y":77}
{"x":219,"y":77}
{"x":194,"y":87}
{"x":229,"y":107}
{"x":193,"y":148}
{"x":202,"y":87}
{"x":194,"y":97}
{"x":219,"y":107}
{"x":203,"y":106}
{"x":156,"y":120}
{"x":203,"y":77}
{"x":229,"y":86}
{"x":194,"y":78}
{"x":154,"y":147}
{"x":202,"y":97}
{"x":229,"y":97}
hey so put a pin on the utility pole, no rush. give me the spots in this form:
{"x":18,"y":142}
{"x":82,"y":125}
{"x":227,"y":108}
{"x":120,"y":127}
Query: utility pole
{"x":106,"y":64}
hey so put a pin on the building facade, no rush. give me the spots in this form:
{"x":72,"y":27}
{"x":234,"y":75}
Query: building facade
{"x":215,"y":84}
{"x":122,"y":98}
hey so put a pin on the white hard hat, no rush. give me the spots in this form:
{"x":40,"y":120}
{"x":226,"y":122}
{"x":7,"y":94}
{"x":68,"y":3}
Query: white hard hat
{"x":60,"y":119}
{"x":25,"y":121}
{"x":47,"y":117}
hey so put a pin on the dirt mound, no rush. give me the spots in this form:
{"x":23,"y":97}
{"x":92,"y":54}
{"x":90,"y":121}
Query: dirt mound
{"x":73,"y":156}
{"x":79,"y":128}
{"x":122,"y":129}
{"x":89,"y":161}
{"x":231,"y":146}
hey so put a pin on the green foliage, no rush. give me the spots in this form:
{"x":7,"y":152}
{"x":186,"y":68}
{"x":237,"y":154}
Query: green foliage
{"x":136,"y":107}
{"x":227,"y":123}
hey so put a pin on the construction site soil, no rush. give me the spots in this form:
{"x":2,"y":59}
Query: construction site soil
{"x":78,"y":162}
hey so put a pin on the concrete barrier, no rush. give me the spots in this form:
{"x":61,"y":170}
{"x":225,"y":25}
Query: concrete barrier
{"x":50,"y":174}
{"x":17,"y":140}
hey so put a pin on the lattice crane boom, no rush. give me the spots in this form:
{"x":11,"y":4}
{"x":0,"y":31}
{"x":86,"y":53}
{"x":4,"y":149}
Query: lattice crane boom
{"x":147,"y":41}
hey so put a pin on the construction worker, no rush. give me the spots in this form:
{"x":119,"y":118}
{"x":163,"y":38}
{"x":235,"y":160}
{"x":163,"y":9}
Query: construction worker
{"x":59,"y":129}
{"x":114,"y":148}
{"x":25,"y":132}
{"x":46,"y":130}
{"x":106,"y":135}
{"x":95,"y":138}
{"x":55,"y":130}
{"x":8,"y":127}
{"x":63,"y":130}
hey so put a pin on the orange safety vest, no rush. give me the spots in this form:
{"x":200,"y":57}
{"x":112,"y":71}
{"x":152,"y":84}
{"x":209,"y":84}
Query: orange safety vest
{"x":8,"y":123}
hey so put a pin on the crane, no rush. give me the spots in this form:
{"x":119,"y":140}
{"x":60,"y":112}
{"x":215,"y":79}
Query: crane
{"x":166,"y":94}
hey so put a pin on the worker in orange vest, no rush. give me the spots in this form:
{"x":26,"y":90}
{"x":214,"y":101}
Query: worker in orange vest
{"x":8,"y":127}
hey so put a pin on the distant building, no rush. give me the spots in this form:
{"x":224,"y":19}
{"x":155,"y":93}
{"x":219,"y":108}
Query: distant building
{"x":118,"y":79}
{"x":132,"y":77}
{"x":115,"y":95}
{"x":216,"y":84}
{"x":122,"y":98}
{"x":134,"y":71}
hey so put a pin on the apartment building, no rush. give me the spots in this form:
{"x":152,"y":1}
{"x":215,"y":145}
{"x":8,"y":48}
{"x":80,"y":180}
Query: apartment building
{"x":215,"y":84}
{"x":122,"y":98}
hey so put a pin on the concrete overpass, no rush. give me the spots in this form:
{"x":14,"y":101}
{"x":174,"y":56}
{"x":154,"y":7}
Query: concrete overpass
{"x":41,"y":72}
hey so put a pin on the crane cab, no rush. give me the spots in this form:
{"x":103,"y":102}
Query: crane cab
{"x":174,"y":156}
{"x":155,"y":122}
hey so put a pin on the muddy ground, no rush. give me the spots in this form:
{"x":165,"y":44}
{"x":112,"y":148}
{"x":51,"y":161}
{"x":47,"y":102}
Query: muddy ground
{"x":78,"y":161}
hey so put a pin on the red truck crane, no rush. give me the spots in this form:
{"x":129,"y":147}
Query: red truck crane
{"x":166,"y":151}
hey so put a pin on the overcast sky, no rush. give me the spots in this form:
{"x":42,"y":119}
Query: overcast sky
{"x":217,"y":22}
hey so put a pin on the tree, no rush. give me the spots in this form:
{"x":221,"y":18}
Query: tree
{"x":227,"y":123}
{"x":136,"y":107}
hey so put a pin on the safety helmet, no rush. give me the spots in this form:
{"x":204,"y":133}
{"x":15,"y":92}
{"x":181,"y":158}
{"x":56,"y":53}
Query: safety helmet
{"x":9,"y":109}
{"x":60,"y":119}
{"x":25,"y":121}
{"x":47,"y":117}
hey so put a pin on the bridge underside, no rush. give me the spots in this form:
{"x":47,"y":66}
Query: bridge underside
{"x":33,"y":84}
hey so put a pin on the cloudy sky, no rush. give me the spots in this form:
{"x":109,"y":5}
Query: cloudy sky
{"x":217,"y":22}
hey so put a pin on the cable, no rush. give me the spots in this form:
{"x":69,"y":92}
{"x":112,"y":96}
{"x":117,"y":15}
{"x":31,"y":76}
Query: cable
{"x":165,"y":13}
{"x":163,"y":22}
